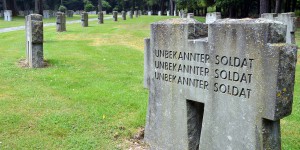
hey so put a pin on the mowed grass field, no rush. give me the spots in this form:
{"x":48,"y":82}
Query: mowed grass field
{"x":91,"y":95}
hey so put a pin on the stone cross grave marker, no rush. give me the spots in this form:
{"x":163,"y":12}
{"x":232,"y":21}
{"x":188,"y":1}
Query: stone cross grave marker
{"x":136,"y":14}
{"x":220,"y":86}
{"x":123,"y":15}
{"x":211,"y":17}
{"x":100,"y":17}
{"x":84,"y":19}
{"x":1,"y":13}
{"x":60,"y":22}
{"x":70,"y":13}
{"x":7,"y":15}
{"x":159,"y":13}
{"x":190,"y":15}
{"x":46,"y":14}
{"x":131,"y":14}
{"x":288,"y":19}
{"x":34,"y":41}
{"x":115,"y":15}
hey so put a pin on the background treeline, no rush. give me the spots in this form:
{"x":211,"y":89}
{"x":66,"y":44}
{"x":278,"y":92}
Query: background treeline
{"x":229,"y":8}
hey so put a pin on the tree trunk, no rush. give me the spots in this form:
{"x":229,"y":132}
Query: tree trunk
{"x":36,"y":6}
{"x":278,"y":6}
{"x":99,"y":5}
{"x":294,"y":3}
{"x":287,"y":5}
{"x":15,"y":8}
{"x":264,"y":6}
{"x":4,"y":5}
{"x":171,"y":8}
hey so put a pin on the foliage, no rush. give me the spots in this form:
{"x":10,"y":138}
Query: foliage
{"x":62,"y":8}
{"x":89,"y":7}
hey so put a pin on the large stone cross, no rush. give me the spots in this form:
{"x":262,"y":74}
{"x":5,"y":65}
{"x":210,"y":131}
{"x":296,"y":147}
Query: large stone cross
{"x":220,"y":86}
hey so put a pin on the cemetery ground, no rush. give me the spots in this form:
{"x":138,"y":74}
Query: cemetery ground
{"x":91,"y":94}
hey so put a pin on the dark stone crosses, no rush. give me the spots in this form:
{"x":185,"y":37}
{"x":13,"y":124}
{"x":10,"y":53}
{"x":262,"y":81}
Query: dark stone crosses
{"x":60,"y":22}
{"x":34,"y":41}
{"x":115,"y":15}
{"x":84,"y":19}
{"x":100,"y":17}
{"x":123,"y":15}
{"x":220,"y":86}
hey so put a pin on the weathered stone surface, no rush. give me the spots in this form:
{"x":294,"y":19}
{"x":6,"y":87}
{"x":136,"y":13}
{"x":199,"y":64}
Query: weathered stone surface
{"x":34,"y":41}
{"x":60,"y":22}
{"x":115,"y":15}
{"x":123,"y":15}
{"x":131,"y":14}
{"x":70,"y":13}
{"x":136,"y":14}
{"x":149,"y":13}
{"x":159,"y":13}
{"x":190,"y":15}
{"x":84,"y":19}
{"x":206,"y":86}
{"x":1,"y":13}
{"x":289,"y":20}
{"x":7,"y":15}
{"x":147,"y":53}
{"x":168,"y":13}
{"x":212,"y":17}
{"x":100,"y":18}
{"x":46,"y":14}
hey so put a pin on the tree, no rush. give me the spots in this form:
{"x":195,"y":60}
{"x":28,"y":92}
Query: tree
{"x":4,"y":4}
{"x":278,"y":6}
{"x":99,"y":5}
{"x":264,"y":6}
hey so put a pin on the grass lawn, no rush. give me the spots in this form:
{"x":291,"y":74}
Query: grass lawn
{"x":20,"y":21}
{"x":91,"y":96}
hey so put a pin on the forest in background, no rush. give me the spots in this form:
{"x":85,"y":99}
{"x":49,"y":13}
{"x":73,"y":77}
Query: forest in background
{"x":228,"y":8}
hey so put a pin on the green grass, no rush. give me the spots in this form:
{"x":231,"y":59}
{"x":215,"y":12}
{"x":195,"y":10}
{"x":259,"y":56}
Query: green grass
{"x":20,"y":21}
{"x":91,"y":96}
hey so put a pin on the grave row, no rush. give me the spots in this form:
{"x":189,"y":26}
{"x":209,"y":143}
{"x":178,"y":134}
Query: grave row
{"x":34,"y":33}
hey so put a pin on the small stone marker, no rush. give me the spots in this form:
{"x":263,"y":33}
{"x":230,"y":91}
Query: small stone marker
{"x":123,"y":15}
{"x":140,"y":12}
{"x":190,"y":15}
{"x":100,"y":18}
{"x":175,"y":13}
{"x":7,"y":15}
{"x":70,"y":13}
{"x":60,"y":22}
{"x":168,"y":13}
{"x":34,"y":41}
{"x":212,"y":17}
{"x":115,"y":15}
{"x":220,"y":86}
{"x":84,"y":19}
{"x":136,"y":14}
{"x":46,"y":14}
{"x":149,"y":13}
{"x":131,"y":14}
{"x":159,"y":13}
{"x":1,"y":13}
{"x":21,"y":13}
{"x":288,"y":19}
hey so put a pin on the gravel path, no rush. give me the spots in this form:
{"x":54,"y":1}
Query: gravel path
{"x":45,"y":25}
